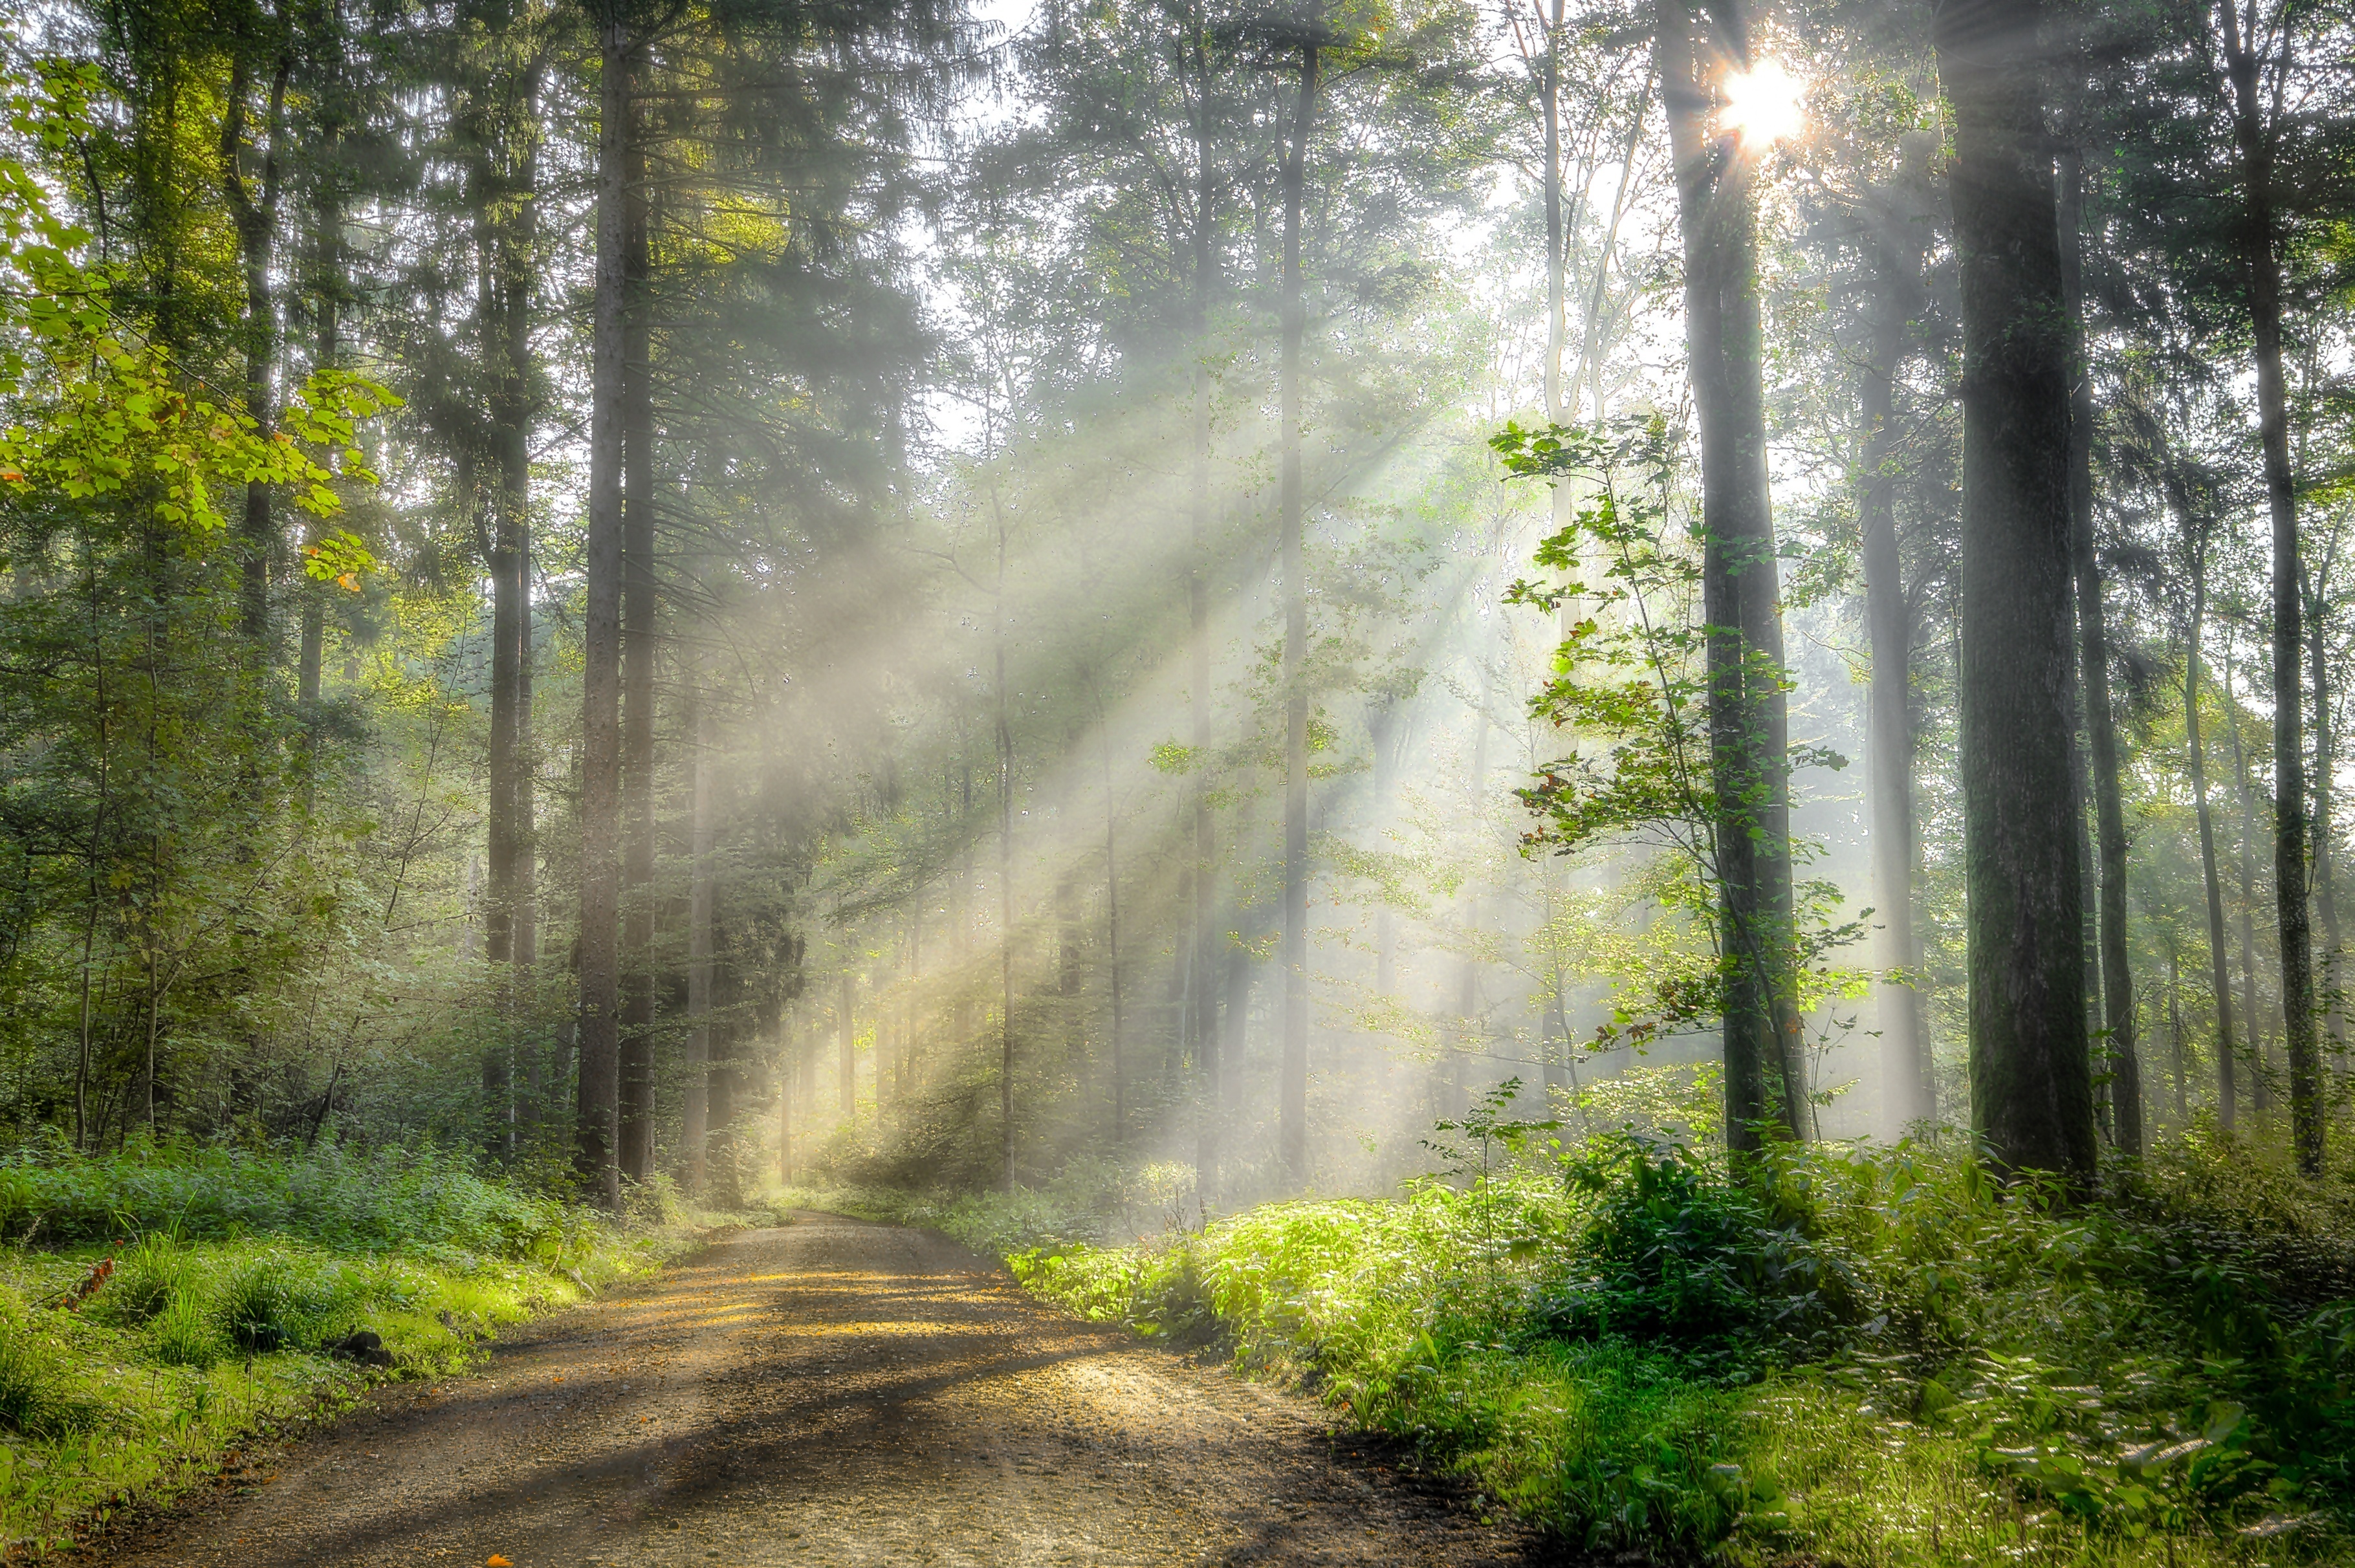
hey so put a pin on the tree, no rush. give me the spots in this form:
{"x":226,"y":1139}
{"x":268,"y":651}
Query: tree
{"x":599,"y":1147}
{"x":2101,"y":722}
{"x":2259,"y":238}
{"x":2031,"y":1084}
{"x":1741,"y":589}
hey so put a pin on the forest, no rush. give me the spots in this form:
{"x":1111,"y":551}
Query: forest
{"x":1606,"y":730}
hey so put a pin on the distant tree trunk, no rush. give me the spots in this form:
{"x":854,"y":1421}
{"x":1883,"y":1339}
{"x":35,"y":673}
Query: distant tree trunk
{"x":702,"y":839}
{"x":2227,"y":1096}
{"x":2326,"y":896}
{"x":256,"y":217}
{"x":1004,"y":882}
{"x":326,"y":302}
{"x":513,"y":417}
{"x":788,"y":1068}
{"x":500,"y":847}
{"x":2031,"y":1080}
{"x":1910,"y":1092}
{"x":2262,"y":267}
{"x":2101,"y":724}
{"x":2175,"y":1036}
{"x":847,"y":1068}
{"x":638,"y":634}
{"x":1292,"y":1091}
{"x":1112,"y":940}
{"x":601,"y":679}
{"x":1740,"y":589}
{"x":2261,"y":1099}
{"x":1467,"y":986}
{"x":722,"y":1085}
{"x":1203,"y":1001}
{"x":1381,"y":718}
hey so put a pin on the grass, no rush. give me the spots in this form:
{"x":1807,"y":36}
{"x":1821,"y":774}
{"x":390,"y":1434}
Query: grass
{"x":192,"y":1300}
{"x":1860,"y":1357}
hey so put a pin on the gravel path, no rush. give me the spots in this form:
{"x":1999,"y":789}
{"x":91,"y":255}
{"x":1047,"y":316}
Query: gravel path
{"x":826,"y":1392}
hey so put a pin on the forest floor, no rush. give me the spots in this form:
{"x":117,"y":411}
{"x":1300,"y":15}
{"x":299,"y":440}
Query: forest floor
{"x":828,"y":1391}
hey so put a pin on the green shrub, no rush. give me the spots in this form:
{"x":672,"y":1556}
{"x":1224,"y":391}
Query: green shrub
{"x":1852,"y":1355}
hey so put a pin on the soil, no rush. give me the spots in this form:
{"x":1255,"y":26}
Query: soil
{"x":828,"y":1393}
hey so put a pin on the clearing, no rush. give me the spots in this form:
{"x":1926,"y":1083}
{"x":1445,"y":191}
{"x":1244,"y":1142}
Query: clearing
{"x":829,"y":1391}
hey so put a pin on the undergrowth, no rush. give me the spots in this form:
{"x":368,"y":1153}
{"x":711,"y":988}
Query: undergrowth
{"x":1857,"y":1356}
{"x":186,"y":1300}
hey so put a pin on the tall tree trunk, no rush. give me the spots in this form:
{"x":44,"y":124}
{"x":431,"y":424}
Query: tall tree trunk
{"x":1910,"y":1092}
{"x":513,"y":416}
{"x":2326,"y":896}
{"x":1005,"y":878}
{"x":695,"y":1101}
{"x":2261,"y":1098}
{"x":2101,"y":724}
{"x":1557,"y":246}
{"x":256,"y":217}
{"x":2032,"y":1079}
{"x":506,"y":355}
{"x":2220,"y":977}
{"x":1292,"y":1091}
{"x":498,"y":828}
{"x":599,"y":1133}
{"x":1748,"y":726}
{"x":2262,"y":267}
{"x":639,"y":633}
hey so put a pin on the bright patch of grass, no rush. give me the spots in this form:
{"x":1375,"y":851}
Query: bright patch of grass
{"x":1859,"y":1356}
{"x":222,"y":1319}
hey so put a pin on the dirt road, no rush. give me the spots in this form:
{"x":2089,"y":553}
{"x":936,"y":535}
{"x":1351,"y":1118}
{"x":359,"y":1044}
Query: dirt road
{"x":826,"y":1392}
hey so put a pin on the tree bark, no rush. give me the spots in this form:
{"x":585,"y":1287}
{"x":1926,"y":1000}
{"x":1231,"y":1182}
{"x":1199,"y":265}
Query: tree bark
{"x":1740,"y":591}
{"x":2261,"y":263}
{"x":639,"y":611}
{"x":2031,"y":1081}
{"x":2101,"y":724}
{"x":598,"y":1131}
{"x":1292,"y":1091}
{"x":2227,"y":1094}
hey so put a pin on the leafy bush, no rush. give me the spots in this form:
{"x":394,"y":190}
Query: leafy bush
{"x":1852,"y":1355}
{"x":1673,"y":1255}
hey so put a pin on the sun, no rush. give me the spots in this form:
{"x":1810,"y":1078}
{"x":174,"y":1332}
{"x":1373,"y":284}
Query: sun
{"x":1765,"y":104}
